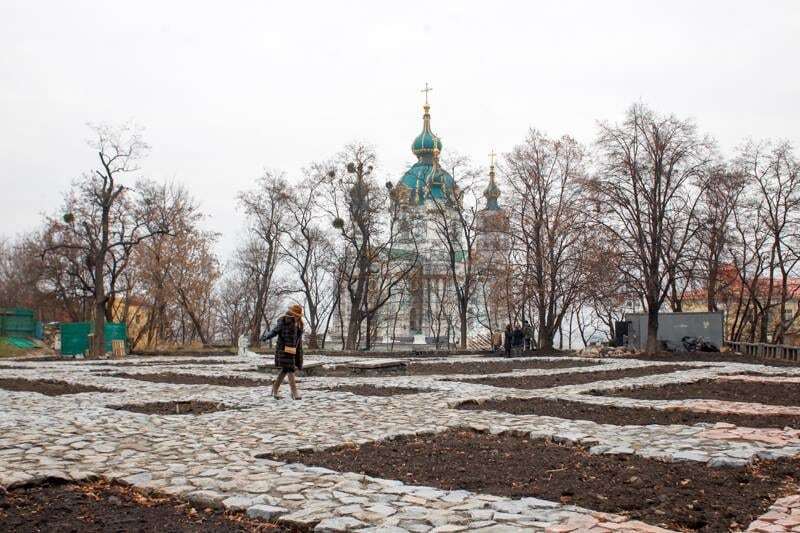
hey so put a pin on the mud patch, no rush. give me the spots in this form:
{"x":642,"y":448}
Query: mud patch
{"x":682,"y":495}
{"x":102,"y":506}
{"x":144,"y":363}
{"x":447,"y":369}
{"x":190,"y":407}
{"x":372,"y":390}
{"x":48,"y":387}
{"x":711,"y":357}
{"x":190,"y":353}
{"x":627,"y":416}
{"x":193,"y":379}
{"x":494,"y":367}
{"x":579,"y":378}
{"x":764,"y":392}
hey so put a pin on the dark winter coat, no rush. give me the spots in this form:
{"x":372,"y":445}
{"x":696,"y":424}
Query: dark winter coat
{"x":527,"y":329}
{"x":519,"y":337}
{"x":289,"y":333}
{"x":509,"y":337}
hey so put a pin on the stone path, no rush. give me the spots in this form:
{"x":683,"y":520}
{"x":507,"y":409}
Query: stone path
{"x":783,"y":516}
{"x":212,"y":458}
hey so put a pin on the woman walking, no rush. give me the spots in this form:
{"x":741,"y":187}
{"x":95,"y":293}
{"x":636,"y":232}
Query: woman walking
{"x":289,"y":348}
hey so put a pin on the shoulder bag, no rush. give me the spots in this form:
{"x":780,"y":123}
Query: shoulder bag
{"x":292,"y":350}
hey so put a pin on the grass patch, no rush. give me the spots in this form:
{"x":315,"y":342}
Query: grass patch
{"x":7,"y":349}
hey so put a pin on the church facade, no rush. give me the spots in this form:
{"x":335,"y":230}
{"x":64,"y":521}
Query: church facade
{"x":423,"y":310}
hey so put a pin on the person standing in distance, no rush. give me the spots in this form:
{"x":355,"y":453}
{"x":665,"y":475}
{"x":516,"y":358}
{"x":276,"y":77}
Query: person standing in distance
{"x":508,"y":339}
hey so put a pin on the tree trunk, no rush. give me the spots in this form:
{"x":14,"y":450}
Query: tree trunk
{"x":768,"y":305}
{"x":353,"y":325}
{"x":98,"y":345}
{"x":198,"y":326}
{"x":711,"y":291}
{"x":569,"y":338}
{"x":462,"y":315}
{"x":652,"y":345}
{"x":312,"y":340}
{"x":255,"y":326}
{"x":610,"y":323}
{"x":98,"y":342}
{"x":368,"y":341}
{"x":546,"y":338}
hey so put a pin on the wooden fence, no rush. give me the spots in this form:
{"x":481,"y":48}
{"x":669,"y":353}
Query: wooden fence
{"x":766,"y":351}
{"x":479,"y":342}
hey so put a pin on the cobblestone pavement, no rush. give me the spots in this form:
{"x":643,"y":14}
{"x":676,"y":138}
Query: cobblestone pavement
{"x":211,"y":458}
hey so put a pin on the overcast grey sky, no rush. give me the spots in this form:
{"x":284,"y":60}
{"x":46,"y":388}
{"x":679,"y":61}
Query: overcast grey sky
{"x":226,"y":89}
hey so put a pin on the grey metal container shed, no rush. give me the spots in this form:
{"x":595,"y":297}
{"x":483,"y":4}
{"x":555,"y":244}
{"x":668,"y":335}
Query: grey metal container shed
{"x":673,"y":327}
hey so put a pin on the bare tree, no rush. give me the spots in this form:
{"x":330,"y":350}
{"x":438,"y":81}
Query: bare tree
{"x":25,"y":281}
{"x":495,"y":279}
{"x":456,"y":226}
{"x":234,"y":306}
{"x":775,"y":173}
{"x":440,"y":308}
{"x":548,"y":225}
{"x":265,"y":208}
{"x":605,"y":291}
{"x":105,"y":219}
{"x":648,"y":165}
{"x":307,"y":250}
{"x":720,"y":199}
{"x":372,"y":266}
{"x":749,"y":257}
{"x":170,"y":282}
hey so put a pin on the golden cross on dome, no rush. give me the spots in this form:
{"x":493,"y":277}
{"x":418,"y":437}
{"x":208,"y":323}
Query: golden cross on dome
{"x":426,"y":90}
{"x":491,"y":158}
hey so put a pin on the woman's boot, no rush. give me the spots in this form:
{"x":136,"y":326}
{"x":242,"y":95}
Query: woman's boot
{"x":276,"y":385}
{"x":293,"y":386}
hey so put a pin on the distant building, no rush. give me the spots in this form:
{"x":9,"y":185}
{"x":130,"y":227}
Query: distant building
{"x":424,"y":309}
{"x":494,"y":292}
{"x":736,"y":299}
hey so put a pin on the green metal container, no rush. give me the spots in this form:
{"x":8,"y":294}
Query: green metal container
{"x":75,"y":336}
{"x":17,"y":322}
{"x":115,"y":331}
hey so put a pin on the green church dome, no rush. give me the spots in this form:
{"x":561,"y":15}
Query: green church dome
{"x":424,"y":174}
{"x":426,"y":178}
{"x":426,"y":142}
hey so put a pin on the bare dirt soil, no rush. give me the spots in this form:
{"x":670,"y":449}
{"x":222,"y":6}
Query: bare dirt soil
{"x":188,"y":353}
{"x":627,"y":416}
{"x":711,"y":357}
{"x":48,"y":387}
{"x":103,"y":507}
{"x":54,"y":359}
{"x":193,"y":379}
{"x":404,"y":354}
{"x":136,"y":356}
{"x":681,"y":495}
{"x":436,"y":369}
{"x":145,"y":363}
{"x":493,"y":367}
{"x":579,"y":378}
{"x":372,"y":390}
{"x":192,"y":407}
{"x":716,"y":389}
